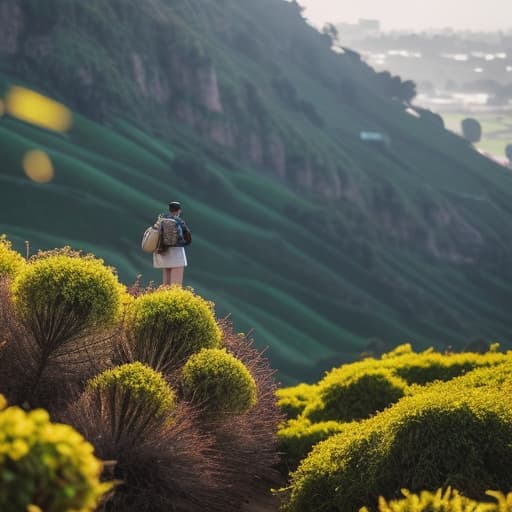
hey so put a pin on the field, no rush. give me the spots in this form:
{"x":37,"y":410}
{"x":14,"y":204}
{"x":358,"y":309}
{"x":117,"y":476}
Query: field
{"x":496,"y":129}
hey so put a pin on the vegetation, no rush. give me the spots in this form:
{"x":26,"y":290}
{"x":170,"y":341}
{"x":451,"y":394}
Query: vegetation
{"x":449,"y":500}
{"x":164,"y":328}
{"x":11,"y":261}
{"x":46,"y":466}
{"x":459,"y":438}
{"x":164,"y":452}
{"x":471,"y":130}
{"x":218,"y":382}
{"x":137,"y":394}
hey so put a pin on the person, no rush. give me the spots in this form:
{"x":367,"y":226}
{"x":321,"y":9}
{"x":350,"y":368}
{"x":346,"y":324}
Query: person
{"x":173,"y":260}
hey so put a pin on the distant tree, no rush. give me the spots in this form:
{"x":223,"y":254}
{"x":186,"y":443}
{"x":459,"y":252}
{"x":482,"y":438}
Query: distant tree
{"x":471,"y":130}
{"x":407,"y":91}
{"x":330,"y":32}
{"x":508,"y":152}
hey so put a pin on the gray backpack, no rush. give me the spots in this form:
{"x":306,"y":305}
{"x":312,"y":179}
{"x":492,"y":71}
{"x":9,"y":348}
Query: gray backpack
{"x":169,"y":232}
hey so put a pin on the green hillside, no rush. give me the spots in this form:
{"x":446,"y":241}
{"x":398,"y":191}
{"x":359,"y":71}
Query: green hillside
{"x":316,"y":239}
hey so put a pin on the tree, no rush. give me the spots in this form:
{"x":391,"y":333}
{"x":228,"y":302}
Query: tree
{"x":471,"y":130}
{"x":508,"y":152}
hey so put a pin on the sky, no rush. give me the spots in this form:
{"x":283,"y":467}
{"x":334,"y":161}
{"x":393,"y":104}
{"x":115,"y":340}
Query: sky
{"x":414,"y":15}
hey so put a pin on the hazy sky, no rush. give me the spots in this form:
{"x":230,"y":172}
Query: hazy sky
{"x":414,"y":14}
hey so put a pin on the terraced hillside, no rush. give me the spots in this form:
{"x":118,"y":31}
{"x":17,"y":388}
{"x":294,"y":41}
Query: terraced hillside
{"x":322,"y":242}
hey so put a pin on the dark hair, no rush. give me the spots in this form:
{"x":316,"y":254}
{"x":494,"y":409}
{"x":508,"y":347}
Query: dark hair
{"x":174,"y":206}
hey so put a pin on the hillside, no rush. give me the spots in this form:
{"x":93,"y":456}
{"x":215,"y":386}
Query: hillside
{"x":322,"y":242}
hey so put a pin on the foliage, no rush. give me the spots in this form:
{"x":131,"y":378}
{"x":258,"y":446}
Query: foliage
{"x":449,"y":500}
{"x":298,"y":436}
{"x":46,"y":466}
{"x":11,"y":262}
{"x":219,"y":383}
{"x":447,"y":435}
{"x":60,"y":293}
{"x":66,"y":303}
{"x":143,"y":388}
{"x":171,"y":466}
{"x":293,"y":400}
{"x":169,"y":325}
{"x":508,"y":152}
{"x":471,"y":130}
{"x":347,"y":396}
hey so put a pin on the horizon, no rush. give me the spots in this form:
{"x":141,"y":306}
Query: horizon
{"x":414,"y":15}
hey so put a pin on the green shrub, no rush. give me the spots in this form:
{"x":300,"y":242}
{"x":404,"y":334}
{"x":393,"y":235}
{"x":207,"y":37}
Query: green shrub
{"x":46,"y":466}
{"x":11,"y":262}
{"x":424,"y":367}
{"x":347,"y":396}
{"x":61,"y":293}
{"x":136,"y":395}
{"x":444,"y":501}
{"x":297,"y":437}
{"x":293,"y":400}
{"x":218,"y":382}
{"x":166,"y":327}
{"x":450,"y":435}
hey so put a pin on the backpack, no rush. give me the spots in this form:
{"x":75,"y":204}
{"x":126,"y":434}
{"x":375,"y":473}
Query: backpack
{"x":169,"y":232}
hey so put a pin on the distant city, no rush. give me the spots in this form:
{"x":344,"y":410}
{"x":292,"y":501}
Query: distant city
{"x":458,"y":73}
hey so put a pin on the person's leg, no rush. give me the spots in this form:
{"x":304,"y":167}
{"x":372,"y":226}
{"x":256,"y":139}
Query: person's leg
{"x":176,"y":275}
{"x":166,"y":280}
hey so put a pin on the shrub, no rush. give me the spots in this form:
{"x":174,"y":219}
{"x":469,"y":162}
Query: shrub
{"x":62,"y":299}
{"x":11,"y":262}
{"x":165,"y":327}
{"x":293,"y":400}
{"x":298,"y":436}
{"x":444,"y":501}
{"x":137,"y":397}
{"x":449,"y":436}
{"x":218,"y":382}
{"x":347,"y":396}
{"x":61,"y":293}
{"x":172,"y":466}
{"x":46,"y":466}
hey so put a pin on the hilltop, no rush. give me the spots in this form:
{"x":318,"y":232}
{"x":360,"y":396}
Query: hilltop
{"x":324,"y":243}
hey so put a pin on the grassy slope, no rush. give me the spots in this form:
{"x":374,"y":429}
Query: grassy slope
{"x":306,"y":292}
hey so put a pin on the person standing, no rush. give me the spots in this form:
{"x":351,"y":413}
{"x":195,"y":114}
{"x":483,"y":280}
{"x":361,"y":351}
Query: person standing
{"x":172,"y":259}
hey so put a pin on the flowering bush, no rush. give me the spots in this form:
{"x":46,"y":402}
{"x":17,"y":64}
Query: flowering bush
{"x":46,"y":466}
{"x":11,"y":262}
{"x":219,"y":382}
{"x":136,"y":395}
{"x":166,"y":327}
{"x":65,"y":292}
{"x":449,"y":500}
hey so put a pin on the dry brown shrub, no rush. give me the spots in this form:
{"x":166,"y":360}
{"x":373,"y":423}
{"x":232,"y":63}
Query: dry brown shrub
{"x":173,"y":467}
{"x":247,"y":442}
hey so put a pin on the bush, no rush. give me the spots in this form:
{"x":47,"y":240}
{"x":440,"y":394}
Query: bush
{"x":164,"y":328}
{"x":46,"y":466}
{"x":298,"y":436}
{"x":11,"y":262}
{"x":61,"y":293}
{"x":446,"y":436}
{"x":137,"y":397}
{"x":347,"y":396}
{"x":218,"y":382}
{"x":293,"y":400}
{"x":447,"y":501}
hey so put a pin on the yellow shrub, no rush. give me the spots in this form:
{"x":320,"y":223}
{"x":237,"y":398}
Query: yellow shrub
{"x":46,"y":466}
